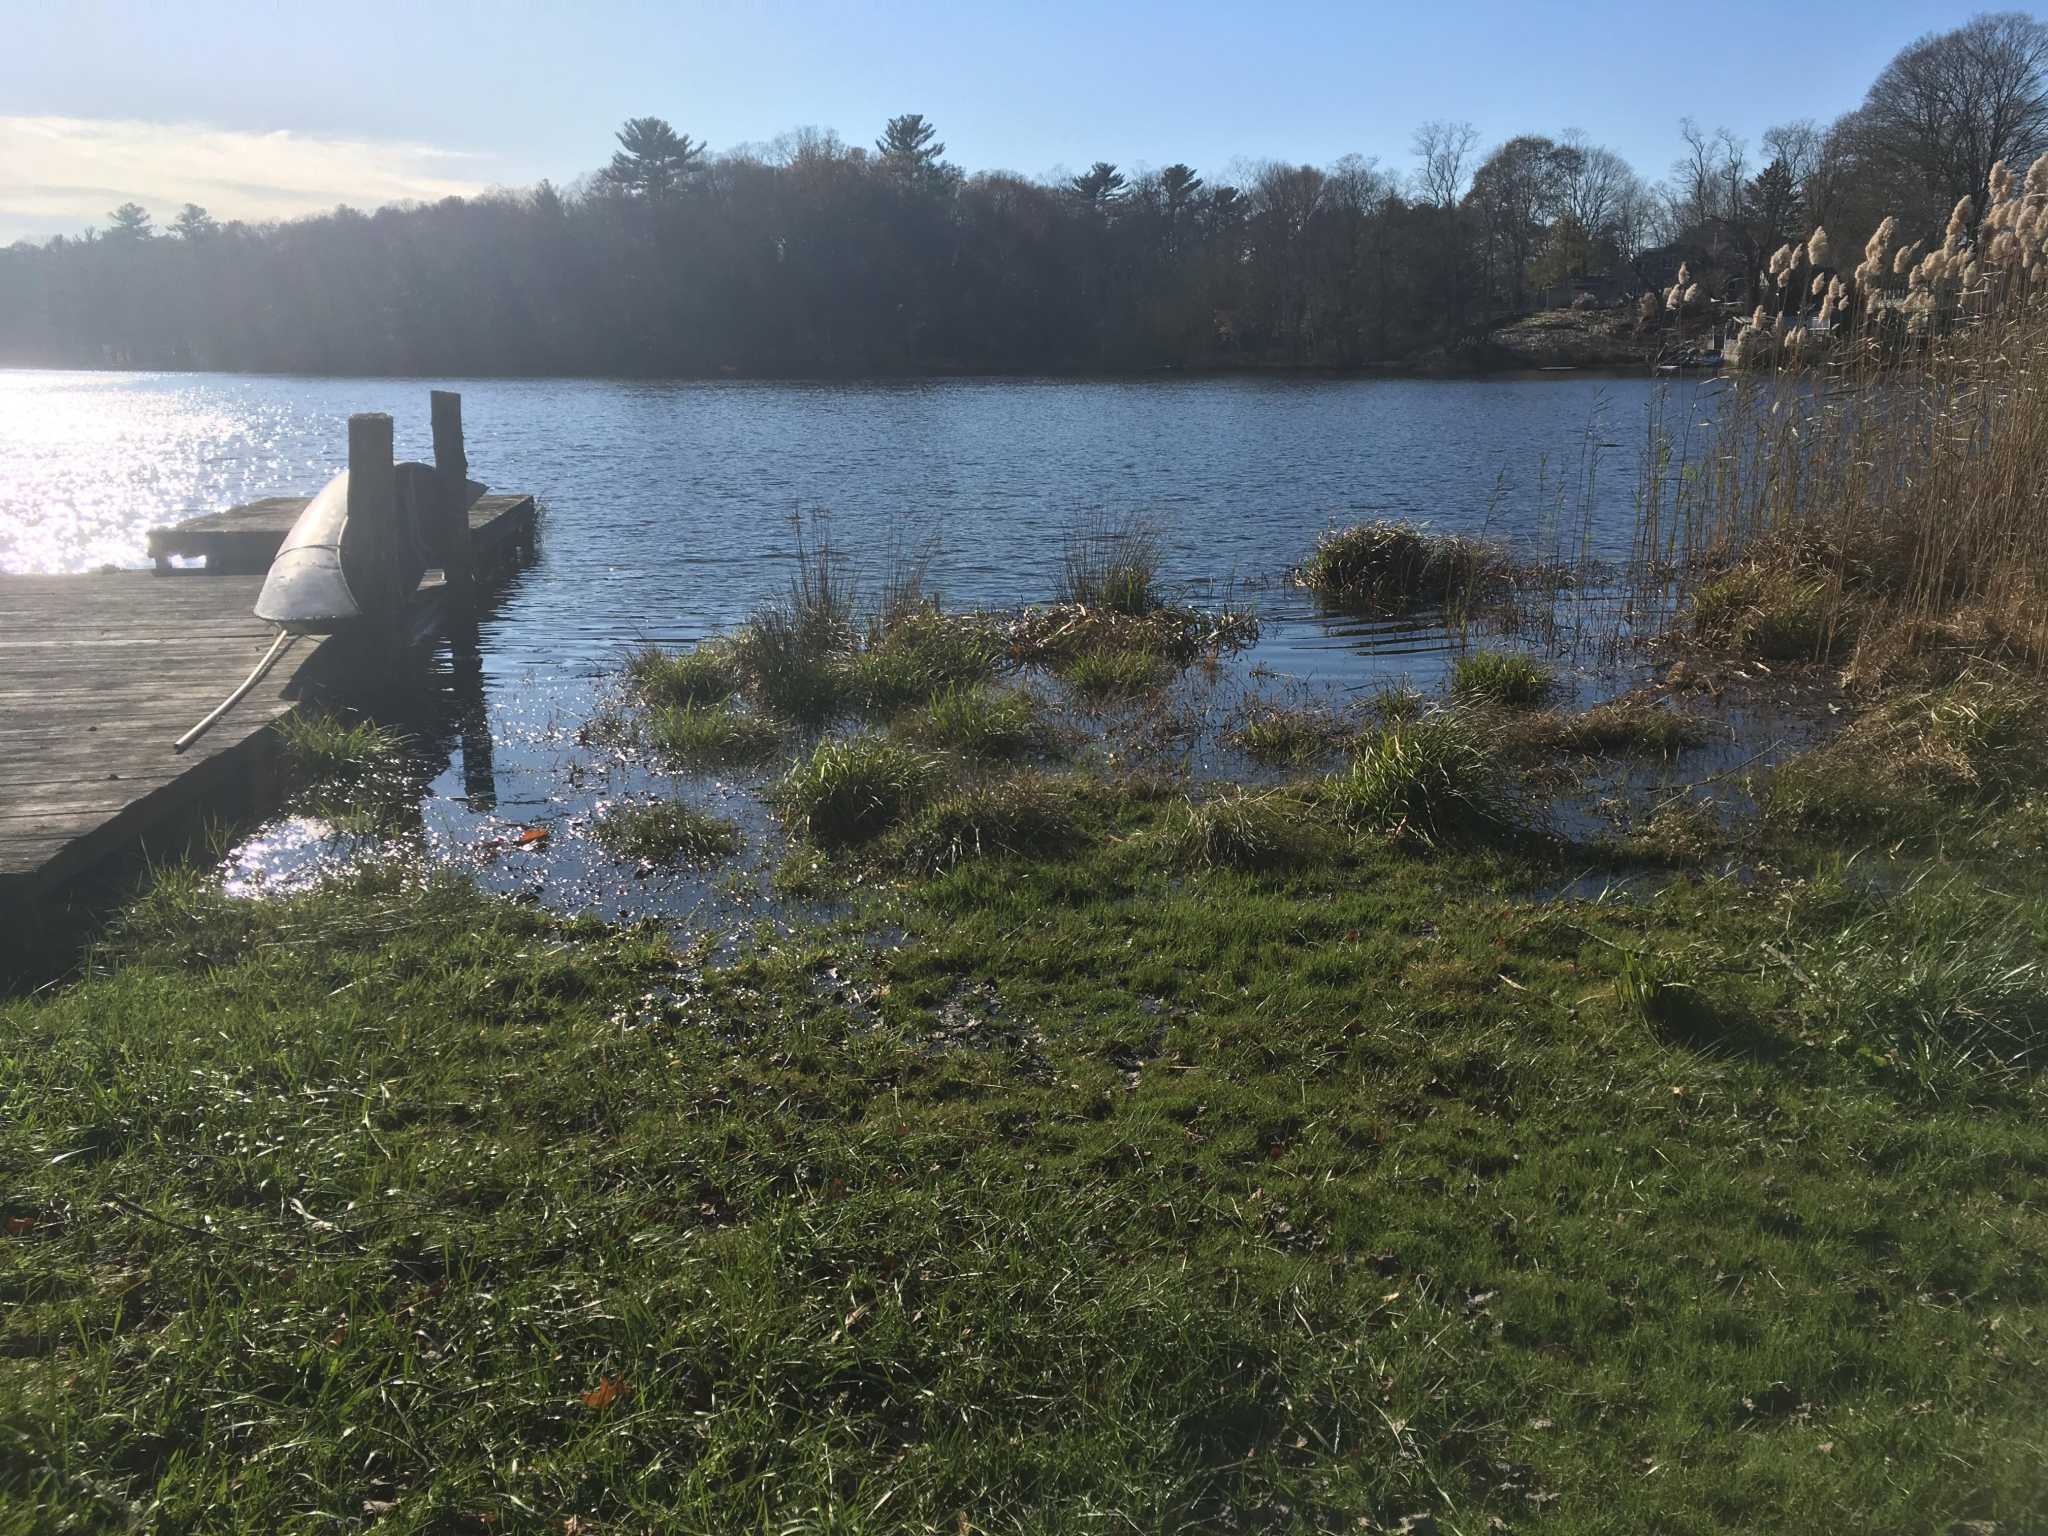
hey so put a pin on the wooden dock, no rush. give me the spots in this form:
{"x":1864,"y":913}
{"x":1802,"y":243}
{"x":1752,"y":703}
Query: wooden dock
{"x":243,"y":540}
{"x":100,"y":674}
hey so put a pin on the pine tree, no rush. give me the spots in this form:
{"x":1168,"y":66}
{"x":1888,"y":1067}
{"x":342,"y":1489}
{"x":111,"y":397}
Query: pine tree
{"x":653,"y":159}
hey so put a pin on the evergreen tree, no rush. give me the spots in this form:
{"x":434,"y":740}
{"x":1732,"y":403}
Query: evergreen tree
{"x":131,"y":222}
{"x":652,"y":159}
{"x":910,"y":147}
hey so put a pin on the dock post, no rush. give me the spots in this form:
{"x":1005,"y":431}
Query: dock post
{"x":373,"y":507}
{"x":451,"y":462}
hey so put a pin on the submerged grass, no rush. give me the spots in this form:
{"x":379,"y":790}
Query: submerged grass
{"x":666,"y":831}
{"x":1629,"y":727}
{"x":1118,"y":673}
{"x":710,"y":674}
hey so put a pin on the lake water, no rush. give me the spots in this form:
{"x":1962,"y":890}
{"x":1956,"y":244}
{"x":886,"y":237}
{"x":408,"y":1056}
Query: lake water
{"x":668,"y":506}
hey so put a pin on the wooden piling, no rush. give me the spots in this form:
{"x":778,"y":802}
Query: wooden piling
{"x":451,"y":527}
{"x":373,"y":511}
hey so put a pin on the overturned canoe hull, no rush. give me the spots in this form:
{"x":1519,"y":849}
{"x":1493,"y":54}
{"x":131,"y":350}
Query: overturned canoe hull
{"x":324,"y":576}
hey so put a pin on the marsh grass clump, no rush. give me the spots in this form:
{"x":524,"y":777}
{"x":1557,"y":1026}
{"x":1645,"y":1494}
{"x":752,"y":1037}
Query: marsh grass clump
{"x":851,"y":789}
{"x":1112,"y":563}
{"x":1774,"y":612}
{"x":321,"y":748}
{"x":1920,"y":759}
{"x":666,"y":832}
{"x":919,"y":652}
{"x":711,"y":735}
{"x":1393,"y":565}
{"x":710,"y":674}
{"x":1287,"y":736}
{"x":1435,"y":779}
{"x":1254,"y":831}
{"x":1619,"y":728}
{"x":1024,"y":816}
{"x":1507,"y":678}
{"x":976,"y":721}
{"x":1102,"y":675}
{"x":1682,"y":832}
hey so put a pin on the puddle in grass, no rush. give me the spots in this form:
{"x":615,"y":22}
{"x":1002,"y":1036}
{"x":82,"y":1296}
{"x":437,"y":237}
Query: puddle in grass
{"x":509,"y":782}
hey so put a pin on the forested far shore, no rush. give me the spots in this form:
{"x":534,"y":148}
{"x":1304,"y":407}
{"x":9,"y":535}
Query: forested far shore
{"x":820,"y":257}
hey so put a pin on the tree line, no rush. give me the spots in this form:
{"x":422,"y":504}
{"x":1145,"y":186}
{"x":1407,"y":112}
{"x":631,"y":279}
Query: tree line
{"x":816,"y":256}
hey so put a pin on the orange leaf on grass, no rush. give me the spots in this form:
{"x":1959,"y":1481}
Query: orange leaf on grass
{"x":608,"y":1391}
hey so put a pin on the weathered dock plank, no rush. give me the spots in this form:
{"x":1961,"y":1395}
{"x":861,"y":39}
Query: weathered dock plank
{"x":98,"y":675}
{"x":245,"y":539}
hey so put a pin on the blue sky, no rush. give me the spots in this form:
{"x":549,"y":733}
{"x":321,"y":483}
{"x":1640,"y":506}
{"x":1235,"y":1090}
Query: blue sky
{"x":260,"y":109}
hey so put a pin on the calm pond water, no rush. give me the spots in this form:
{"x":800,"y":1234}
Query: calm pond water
{"x":668,"y":508}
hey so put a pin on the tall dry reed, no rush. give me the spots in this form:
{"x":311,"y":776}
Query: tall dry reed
{"x":1883,"y":461}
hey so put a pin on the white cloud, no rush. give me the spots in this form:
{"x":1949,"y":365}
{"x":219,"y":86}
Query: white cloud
{"x":59,"y":174}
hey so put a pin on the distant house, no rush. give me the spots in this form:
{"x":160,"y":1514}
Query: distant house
{"x":1658,"y":266}
{"x":1599,"y":289}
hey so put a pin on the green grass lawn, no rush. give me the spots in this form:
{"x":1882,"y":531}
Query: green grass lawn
{"x":1084,"y":1192}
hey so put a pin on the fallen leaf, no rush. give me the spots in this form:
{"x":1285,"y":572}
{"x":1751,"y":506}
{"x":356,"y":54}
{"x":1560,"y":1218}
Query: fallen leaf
{"x":607,"y":1392}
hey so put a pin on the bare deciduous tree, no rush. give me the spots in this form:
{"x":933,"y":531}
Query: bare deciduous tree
{"x":1953,"y":103}
{"x":1444,"y":149}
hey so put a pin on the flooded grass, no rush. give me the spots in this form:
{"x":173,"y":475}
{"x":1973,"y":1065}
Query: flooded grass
{"x":1250,"y":830}
{"x":1397,"y":566}
{"x":1436,"y":779}
{"x":1290,"y":736}
{"x":667,"y":832}
{"x":712,"y":735}
{"x":852,"y":789}
{"x":976,"y":721}
{"x":1026,"y":816}
{"x":325,"y":748}
{"x":1507,"y":678}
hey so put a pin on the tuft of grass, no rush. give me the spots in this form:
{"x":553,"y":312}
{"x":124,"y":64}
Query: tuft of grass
{"x":976,"y":721}
{"x":1941,"y":977}
{"x":323,"y":748}
{"x":1507,"y":678}
{"x":1119,"y":673}
{"x":1620,"y":728}
{"x":851,"y":789}
{"x":1287,"y":736}
{"x":1113,"y":564}
{"x":1775,"y":612}
{"x":1394,"y":565}
{"x":1434,"y":779}
{"x":707,"y":675}
{"x":1919,"y":760}
{"x":1024,"y":816}
{"x":919,"y":653}
{"x":1252,"y":831}
{"x":666,"y":832}
{"x":711,"y":735}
